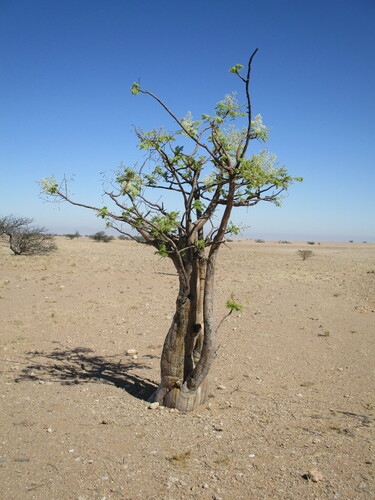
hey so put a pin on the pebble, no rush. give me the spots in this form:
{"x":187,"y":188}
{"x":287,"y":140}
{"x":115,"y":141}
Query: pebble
{"x":154,"y":406}
{"x":221,"y":387}
{"x":315,"y":476}
{"x":131,"y":352}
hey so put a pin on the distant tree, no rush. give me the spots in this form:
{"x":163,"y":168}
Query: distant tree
{"x":101,"y":236}
{"x":73,"y":236}
{"x":24,"y":239}
{"x":212,"y":178}
{"x":305,"y":254}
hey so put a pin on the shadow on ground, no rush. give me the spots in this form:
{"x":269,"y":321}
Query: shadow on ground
{"x":79,"y":366}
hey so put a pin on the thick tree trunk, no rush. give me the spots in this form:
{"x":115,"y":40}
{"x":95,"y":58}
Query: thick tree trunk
{"x":184,"y":342}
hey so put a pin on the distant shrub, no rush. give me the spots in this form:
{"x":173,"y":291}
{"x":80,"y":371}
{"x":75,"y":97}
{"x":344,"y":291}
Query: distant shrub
{"x":123,"y":237}
{"x":351,"y":241}
{"x":24,"y":239}
{"x":259,"y":241}
{"x":285,"y":242}
{"x":101,"y":236}
{"x":305,"y":254}
{"x":32,"y":241}
{"x":73,"y":236}
{"x":311,"y":242}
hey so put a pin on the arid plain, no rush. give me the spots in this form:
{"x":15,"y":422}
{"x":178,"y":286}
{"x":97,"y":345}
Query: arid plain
{"x":292,"y":386}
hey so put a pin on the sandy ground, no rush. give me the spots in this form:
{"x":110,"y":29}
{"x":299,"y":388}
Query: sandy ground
{"x":292,"y":385}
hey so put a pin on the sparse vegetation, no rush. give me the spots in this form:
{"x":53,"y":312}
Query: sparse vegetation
{"x":101,"y":236}
{"x":311,"y":242}
{"x":285,"y":242}
{"x":305,"y":254}
{"x":24,"y":239}
{"x":259,"y":241}
{"x":74,"y":236}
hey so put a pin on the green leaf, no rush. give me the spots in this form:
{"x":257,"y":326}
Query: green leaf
{"x":49,"y":185}
{"x":102,"y":212}
{"x":236,"y":69}
{"x":162,"y":251}
{"x":135,"y":88}
{"x":198,"y":205}
{"x":232,"y":229}
{"x":233,"y":306}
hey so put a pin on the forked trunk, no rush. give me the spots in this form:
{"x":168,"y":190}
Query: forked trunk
{"x":187,"y":355}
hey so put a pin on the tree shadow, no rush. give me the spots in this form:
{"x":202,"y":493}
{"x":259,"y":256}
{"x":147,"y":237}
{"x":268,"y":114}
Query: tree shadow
{"x":79,"y":366}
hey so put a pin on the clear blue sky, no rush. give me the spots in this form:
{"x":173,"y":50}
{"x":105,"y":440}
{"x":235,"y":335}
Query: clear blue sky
{"x":65,"y":105}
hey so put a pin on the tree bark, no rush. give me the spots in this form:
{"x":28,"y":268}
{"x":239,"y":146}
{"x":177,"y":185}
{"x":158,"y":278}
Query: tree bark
{"x":183,"y":344}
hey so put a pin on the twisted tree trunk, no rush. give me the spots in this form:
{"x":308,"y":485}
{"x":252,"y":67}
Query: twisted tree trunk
{"x":184,"y":344}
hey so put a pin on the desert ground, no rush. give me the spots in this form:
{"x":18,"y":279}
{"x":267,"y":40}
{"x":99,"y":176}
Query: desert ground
{"x":292,"y":386}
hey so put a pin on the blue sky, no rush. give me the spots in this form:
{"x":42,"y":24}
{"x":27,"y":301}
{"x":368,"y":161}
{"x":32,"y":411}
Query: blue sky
{"x":65,"y":105}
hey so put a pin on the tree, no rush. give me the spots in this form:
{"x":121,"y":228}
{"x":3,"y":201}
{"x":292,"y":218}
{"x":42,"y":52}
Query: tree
{"x":73,"y":236}
{"x":23,"y":239}
{"x":214,"y":176}
{"x":101,"y":236}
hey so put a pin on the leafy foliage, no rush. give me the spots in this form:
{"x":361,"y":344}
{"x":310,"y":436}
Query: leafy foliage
{"x":217,"y":171}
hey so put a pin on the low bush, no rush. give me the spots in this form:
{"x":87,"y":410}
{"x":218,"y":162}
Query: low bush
{"x":101,"y":236}
{"x":24,"y":239}
{"x":73,"y":236}
{"x":305,"y":254}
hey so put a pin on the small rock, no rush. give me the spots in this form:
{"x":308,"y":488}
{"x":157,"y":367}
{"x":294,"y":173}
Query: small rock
{"x":315,"y":476}
{"x":154,"y":406}
{"x":173,"y":479}
{"x":221,"y":387}
{"x":205,"y":486}
{"x":251,"y":455}
{"x":131,"y":352}
{"x":49,"y":429}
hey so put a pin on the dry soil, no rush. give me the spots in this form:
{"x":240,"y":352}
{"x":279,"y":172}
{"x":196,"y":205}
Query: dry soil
{"x":292,"y":387}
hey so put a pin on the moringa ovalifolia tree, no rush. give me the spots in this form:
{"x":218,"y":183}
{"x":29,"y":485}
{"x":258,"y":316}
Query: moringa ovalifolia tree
{"x":216,"y":172}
